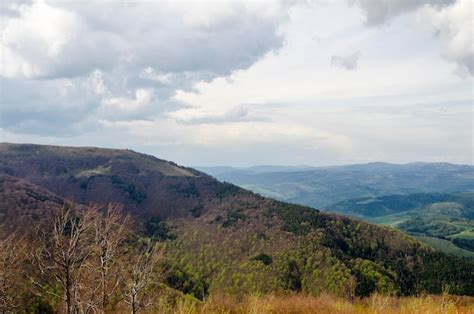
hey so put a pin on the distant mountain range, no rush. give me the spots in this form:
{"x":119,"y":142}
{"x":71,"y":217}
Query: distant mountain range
{"x":319,"y":187}
{"x":224,"y":239}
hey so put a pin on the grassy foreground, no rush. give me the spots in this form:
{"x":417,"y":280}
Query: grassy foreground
{"x":328,"y":304}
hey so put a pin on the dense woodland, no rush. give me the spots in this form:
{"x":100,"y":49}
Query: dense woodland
{"x":87,"y":260}
{"x":148,"y":234}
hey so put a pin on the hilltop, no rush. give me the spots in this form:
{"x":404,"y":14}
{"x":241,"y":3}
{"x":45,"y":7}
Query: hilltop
{"x":143,"y":184}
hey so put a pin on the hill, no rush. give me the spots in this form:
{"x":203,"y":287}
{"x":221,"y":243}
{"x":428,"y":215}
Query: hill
{"x":452,"y":205}
{"x":442,"y":220}
{"x":221,"y":238}
{"x":144,"y":185}
{"x":323,"y":186}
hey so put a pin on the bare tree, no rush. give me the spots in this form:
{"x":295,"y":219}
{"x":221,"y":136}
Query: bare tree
{"x":110,"y":231}
{"x":12,"y":256}
{"x":64,"y":252}
{"x":141,"y":277}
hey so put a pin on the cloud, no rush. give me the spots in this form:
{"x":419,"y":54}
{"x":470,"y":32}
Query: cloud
{"x":127,"y":59}
{"x":170,"y":79}
{"x":349,"y":62}
{"x":53,"y":107}
{"x":64,"y":40}
{"x":378,"y":12}
{"x":240,"y":113}
{"x":448,"y":20}
{"x":144,"y":105}
{"x":454,"y":28}
{"x":118,"y":107}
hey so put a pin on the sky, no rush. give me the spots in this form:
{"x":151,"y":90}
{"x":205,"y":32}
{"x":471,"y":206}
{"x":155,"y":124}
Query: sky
{"x":242,"y":83}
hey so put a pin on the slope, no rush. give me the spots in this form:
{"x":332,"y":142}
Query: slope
{"x":23,"y":204}
{"x":145,"y":185}
{"x":225,"y":239}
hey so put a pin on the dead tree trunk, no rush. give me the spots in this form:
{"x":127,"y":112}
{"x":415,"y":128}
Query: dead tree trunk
{"x":140,"y":277}
{"x":65,"y":251}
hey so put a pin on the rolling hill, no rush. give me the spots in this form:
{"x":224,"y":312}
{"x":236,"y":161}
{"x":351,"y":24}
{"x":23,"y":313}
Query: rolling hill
{"x":223,"y":238}
{"x":445,"y":221}
{"x":319,"y":187}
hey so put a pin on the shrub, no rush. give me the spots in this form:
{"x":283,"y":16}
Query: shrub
{"x":264,"y":258}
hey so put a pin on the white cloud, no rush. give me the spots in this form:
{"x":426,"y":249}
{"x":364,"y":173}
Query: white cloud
{"x":50,"y":42}
{"x":449,"y":20}
{"x":454,"y":27}
{"x":121,"y":108}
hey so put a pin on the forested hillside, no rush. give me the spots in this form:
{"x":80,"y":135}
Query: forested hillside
{"x":214,"y":237}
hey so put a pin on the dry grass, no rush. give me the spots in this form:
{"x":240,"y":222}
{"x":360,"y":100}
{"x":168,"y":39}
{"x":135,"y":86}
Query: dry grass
{"x":328,"y":304}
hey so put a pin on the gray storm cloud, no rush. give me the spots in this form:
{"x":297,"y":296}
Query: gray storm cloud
{"x":103,"y":57}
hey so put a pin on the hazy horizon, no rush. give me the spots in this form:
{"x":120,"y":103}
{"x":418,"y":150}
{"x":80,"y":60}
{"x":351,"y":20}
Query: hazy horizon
{"x":328,"y":165}
{"x":288,"y":165}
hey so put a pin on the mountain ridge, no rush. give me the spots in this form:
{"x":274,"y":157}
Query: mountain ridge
{"x":274,"y":168}
{"x":324,"y":186}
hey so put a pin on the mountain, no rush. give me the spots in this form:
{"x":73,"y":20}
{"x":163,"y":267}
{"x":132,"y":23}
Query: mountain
{"x":222,"y":238}
{"x":443,"y":220}
{"x":323,"y":186}
{"x":145,"y":185}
